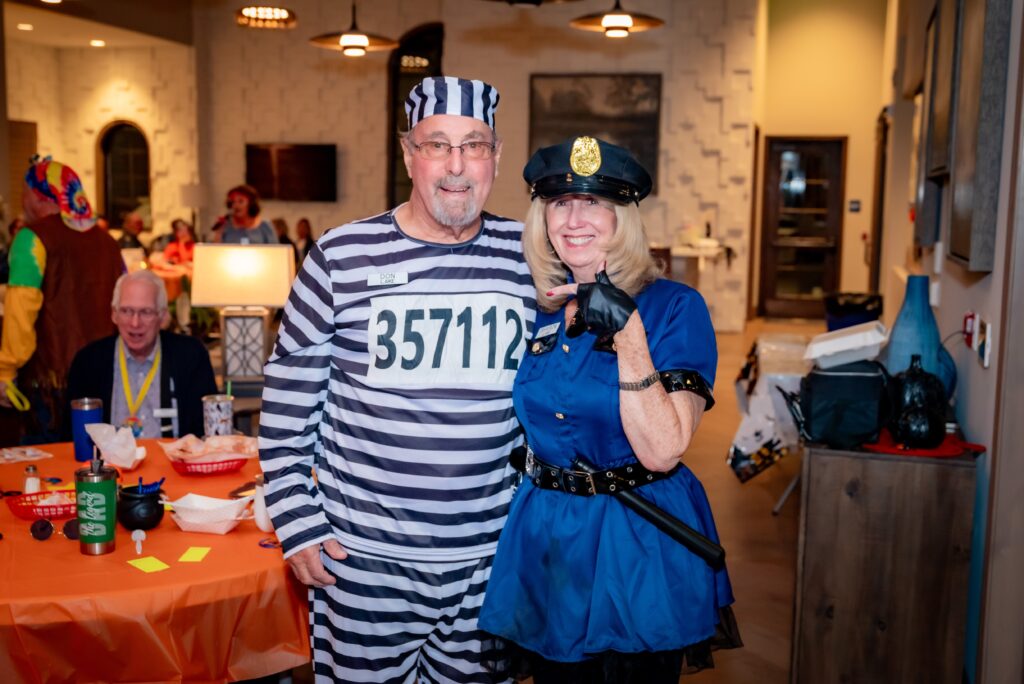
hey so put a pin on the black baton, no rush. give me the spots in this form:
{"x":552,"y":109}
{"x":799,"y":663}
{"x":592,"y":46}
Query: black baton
{"x":712,"y":553}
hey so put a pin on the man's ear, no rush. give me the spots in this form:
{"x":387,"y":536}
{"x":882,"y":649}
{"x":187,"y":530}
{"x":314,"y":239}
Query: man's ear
{"x":406,"y":155}
{"x":165,"y":319}
{"x":497,"y":156}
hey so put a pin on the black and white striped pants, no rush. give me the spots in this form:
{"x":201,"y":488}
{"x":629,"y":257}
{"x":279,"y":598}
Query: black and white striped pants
{"x":408,"y":622}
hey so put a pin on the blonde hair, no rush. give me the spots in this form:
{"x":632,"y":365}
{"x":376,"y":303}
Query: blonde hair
{"x":630,"y":265}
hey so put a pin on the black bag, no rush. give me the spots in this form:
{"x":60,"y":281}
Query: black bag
{"x":844,"y":406}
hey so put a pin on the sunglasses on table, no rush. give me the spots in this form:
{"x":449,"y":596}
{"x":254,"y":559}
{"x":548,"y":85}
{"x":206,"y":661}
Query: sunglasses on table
{"x":43,"y":529}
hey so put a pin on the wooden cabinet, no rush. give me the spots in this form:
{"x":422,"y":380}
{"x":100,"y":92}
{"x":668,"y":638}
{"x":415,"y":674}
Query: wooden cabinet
{"x":882,"y":568}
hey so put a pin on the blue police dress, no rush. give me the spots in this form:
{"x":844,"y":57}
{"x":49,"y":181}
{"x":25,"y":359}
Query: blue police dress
{"x":575,"y":576}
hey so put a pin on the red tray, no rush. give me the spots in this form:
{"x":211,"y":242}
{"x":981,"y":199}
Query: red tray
{"x":216,"y":468}
{"x":27,"y":506}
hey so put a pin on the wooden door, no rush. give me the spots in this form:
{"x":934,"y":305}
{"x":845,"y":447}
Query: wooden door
{"x":802,"y":224}
{"x":23,"y":136}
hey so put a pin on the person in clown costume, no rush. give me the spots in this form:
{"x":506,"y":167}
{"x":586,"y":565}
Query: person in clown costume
{"x":58,"y":297}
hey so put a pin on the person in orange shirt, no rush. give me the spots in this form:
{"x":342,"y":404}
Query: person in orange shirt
{"x":179,"y":250}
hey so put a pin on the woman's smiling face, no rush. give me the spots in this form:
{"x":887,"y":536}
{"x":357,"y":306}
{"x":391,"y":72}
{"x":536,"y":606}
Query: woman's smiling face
{"x":580,"y":228}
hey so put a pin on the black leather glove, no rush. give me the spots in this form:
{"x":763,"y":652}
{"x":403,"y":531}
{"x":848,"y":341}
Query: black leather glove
{"x":603,"y":309}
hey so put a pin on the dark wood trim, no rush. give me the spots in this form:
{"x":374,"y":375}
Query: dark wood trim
{"x":1001,"y":622}
{"x":878,"y":199}
{"x":753,"y":254}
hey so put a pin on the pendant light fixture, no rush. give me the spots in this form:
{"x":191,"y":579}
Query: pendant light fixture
{"x":532,"y":3}
{"x":616,"y":23}
{"x":265,"y":17}
{"x":353,"y":42}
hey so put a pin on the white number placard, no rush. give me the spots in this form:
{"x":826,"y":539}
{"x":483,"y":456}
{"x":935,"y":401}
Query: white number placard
{"x":443,"y":340}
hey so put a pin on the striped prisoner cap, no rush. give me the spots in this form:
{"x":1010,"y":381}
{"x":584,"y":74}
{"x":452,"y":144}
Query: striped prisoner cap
{"x":451,"y":95}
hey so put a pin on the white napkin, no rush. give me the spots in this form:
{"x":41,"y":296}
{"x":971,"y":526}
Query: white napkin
{"x":198,"y":513}
{"x":116,"y":445}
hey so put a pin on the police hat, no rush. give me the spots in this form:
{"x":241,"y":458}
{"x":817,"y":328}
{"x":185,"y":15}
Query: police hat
{"x":589,"y":166}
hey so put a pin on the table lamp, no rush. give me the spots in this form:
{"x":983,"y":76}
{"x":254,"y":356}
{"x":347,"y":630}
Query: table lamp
{"x":245,"y":280}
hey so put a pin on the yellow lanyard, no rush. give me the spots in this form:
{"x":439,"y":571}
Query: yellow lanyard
{"x":135,"y":404}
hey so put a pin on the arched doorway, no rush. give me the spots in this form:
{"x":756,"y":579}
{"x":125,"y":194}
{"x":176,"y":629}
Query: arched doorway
{"x":124,"y":178}
{"x":418,"y":56}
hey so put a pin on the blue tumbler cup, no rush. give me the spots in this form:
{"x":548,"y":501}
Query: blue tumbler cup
{"x":83,"y":412}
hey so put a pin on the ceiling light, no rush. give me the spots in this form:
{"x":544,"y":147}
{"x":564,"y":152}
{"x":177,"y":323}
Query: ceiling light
{"x":352,"y":42}
{"x":616,"y":23}
{"x":265,"y":17}
{"x":25,"y":27}
{"x":52,"y":2}
{"x":95,"y":42}
{"x":532,"y":3}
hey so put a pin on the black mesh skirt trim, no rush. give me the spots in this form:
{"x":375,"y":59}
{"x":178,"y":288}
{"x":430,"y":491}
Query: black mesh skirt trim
{"x":508,"y":660}
{"x":697,"y":657}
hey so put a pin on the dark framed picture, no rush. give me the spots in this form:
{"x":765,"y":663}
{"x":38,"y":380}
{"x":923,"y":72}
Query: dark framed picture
{"x":624,"y":109}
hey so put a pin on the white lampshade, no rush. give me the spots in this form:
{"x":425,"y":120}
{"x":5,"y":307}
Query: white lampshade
{"x":242,"y":275}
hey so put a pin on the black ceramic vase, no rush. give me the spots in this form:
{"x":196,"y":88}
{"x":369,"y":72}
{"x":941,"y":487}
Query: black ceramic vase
{"x":137,"y":511}
{"x":920,"y":408}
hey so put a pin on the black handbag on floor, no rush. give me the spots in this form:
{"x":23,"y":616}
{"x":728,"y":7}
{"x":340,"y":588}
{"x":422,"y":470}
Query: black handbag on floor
{"x":843,"y":406}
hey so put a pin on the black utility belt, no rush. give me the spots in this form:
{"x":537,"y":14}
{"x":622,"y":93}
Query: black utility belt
{"x":581,"y":483}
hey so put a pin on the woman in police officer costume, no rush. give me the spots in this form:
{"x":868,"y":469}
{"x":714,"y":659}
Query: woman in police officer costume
{"x":618,"y":374}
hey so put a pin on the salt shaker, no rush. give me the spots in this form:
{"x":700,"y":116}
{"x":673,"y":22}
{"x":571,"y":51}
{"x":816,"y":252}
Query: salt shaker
{"x":32,"y":482}
{"x":259,"y":507}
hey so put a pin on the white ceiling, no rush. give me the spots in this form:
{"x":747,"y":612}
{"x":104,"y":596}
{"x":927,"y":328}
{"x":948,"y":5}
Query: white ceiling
{"x":60,"y":30}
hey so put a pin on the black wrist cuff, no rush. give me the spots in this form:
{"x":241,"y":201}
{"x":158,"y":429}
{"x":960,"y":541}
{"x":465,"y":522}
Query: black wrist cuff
{"x":689,"y":380}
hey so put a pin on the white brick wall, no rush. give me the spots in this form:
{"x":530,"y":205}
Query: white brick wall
{"x":273,"y":87}
{"x":33,"y":95}
{"x":74,"y":94}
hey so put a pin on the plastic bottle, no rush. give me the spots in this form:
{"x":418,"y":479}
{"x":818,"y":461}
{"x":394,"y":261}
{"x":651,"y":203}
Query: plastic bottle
{"x":259,"y":508}
{"x":32,"y":482}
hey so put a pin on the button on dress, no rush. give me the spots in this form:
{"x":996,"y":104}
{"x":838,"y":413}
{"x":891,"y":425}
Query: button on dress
{"x":575,"y":576}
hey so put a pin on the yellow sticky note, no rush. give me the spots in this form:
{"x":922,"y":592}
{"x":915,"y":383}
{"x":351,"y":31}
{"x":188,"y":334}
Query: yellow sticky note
{"x":194,"y":554}
{"x":149,"y":564}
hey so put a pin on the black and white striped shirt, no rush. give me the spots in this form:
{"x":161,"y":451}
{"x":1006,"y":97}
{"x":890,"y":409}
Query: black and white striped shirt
{"x":392,"y":378}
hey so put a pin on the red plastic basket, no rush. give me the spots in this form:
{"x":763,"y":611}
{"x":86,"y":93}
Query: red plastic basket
{"x":27,"y":506}
{"x":216,"y":468}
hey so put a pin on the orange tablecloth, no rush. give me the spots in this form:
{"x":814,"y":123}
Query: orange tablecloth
{"x":238,"y":614}
{"x":172,"y":279}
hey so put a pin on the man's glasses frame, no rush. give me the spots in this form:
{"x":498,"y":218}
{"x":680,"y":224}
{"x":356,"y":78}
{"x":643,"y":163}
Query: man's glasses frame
{"x":143,"y":314}
{"x":436,"y":150}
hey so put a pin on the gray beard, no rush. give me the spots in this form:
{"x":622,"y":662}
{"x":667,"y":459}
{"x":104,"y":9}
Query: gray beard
{"x":453,"y":212}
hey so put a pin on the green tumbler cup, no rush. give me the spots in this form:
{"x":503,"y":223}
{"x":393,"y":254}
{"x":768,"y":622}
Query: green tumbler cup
{"x":96,"y":494}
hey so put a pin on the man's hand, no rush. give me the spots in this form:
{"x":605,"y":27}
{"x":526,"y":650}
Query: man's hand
{"x":308,"y":567}
{"x":4,"y":400}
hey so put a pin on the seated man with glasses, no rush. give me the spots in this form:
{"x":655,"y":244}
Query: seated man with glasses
{"x":150,"y":380}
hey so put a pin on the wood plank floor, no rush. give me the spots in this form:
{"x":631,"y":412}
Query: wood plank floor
{"x":760,"y":548}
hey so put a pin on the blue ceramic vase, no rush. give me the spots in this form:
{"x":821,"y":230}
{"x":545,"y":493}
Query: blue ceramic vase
{"x":915,"y":332}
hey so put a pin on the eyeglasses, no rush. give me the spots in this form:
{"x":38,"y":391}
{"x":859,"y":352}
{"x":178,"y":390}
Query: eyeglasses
{"x":435,"y":150}
{"x":143,"y":314}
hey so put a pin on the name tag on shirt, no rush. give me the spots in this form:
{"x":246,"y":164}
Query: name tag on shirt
{"x":547,"y":330}
{"x":165,"y":413}
{"x":426,"y":340}
{"x":379,"y":279}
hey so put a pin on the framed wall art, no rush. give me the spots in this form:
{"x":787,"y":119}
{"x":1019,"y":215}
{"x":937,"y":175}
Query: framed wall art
{"x":624,"y":109}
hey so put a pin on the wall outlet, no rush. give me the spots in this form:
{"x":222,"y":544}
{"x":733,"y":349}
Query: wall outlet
{"x":983,"y":341}
{"x":968,"y":329}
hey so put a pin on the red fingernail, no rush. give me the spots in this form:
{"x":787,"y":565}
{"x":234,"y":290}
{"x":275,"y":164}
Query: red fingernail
{"x":550,"y":292}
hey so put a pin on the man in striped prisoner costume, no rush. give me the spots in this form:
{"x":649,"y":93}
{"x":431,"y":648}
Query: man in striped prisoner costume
{"x":391,"y":378}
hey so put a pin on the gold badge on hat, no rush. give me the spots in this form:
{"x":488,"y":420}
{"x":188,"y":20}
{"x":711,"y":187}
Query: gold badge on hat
{"x":585,"y":158}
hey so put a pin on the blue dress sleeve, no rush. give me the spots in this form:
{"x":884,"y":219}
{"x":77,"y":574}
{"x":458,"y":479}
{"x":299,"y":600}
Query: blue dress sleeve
{"x":679,"y":331}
